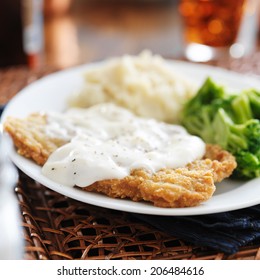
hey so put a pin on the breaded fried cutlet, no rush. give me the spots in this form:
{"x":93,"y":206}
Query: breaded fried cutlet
{"x":182,"y":187}
{"x":30,"y":138}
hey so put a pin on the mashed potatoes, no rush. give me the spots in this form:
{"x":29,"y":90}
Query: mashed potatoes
{"x":144,"y":84}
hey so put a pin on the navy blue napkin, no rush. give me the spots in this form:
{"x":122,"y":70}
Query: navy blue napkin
{"x":225,"y":232}
{"x":1,"y":109}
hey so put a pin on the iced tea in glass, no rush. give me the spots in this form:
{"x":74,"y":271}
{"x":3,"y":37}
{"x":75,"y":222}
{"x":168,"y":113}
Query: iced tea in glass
{"x":213,"y":23}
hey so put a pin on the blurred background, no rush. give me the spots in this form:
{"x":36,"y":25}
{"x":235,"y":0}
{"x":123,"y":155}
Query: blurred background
{"x":63,"y":33}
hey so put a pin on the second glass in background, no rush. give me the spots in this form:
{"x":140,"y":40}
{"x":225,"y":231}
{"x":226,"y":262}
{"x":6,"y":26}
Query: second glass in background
{"x":214,"y":28}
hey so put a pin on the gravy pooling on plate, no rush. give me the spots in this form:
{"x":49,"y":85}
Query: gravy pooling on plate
{"x":107,"y":142}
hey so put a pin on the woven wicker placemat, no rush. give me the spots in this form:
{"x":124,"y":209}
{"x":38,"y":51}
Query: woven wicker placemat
{"x":57,"y":227}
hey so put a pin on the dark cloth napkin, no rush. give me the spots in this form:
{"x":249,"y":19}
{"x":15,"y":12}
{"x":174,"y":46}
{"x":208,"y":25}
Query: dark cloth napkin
{"x":225,"y":232}
{"x":1,"y":109}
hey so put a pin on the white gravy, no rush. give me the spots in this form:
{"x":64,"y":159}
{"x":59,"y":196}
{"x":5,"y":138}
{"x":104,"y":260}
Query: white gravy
{"x":107,"y":142}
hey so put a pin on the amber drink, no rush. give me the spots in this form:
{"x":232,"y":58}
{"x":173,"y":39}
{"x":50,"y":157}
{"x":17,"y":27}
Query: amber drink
{"x":212,"y":22}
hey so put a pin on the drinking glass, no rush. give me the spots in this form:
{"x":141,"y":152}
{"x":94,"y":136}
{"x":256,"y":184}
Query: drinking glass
{"x":214,"y":28}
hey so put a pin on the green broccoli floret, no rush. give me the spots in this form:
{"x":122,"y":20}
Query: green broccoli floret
{"x":241,"y":108}
{"x":199,"y":112}
{"x":235,"y":137}
{"x":254,"y":98}
{"x":242,"y":140}
{"x":229,"y":120}
{"x":248,"y":165}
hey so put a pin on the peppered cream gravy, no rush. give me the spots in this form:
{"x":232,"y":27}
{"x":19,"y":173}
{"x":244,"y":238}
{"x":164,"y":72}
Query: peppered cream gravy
{"x":107,"y":142}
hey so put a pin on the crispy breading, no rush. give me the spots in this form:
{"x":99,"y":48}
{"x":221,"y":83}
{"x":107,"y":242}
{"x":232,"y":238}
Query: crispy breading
{"x":181,"y":187}
{"x":30,"y":138}
{"x":166,"y":188}
{"x":221,"y":162}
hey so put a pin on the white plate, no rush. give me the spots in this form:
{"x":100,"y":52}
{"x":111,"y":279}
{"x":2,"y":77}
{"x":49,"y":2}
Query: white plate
{"x":51,"y":92}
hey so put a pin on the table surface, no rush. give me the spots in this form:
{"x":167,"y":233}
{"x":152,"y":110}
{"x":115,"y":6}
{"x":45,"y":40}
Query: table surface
{"x":94,"y":31}
{"x":57,"y":227}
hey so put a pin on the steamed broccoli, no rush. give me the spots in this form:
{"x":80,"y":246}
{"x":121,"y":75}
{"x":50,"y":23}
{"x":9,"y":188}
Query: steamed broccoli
{"x":229,"y":120}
